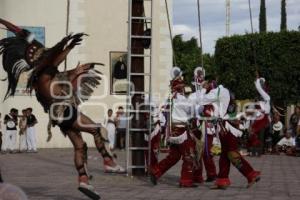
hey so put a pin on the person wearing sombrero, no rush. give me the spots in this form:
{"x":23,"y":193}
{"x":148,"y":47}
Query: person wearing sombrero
{"x":277,"y":129}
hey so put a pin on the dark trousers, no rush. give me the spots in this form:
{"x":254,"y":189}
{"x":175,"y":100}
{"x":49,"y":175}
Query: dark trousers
{"x":121,"y":133}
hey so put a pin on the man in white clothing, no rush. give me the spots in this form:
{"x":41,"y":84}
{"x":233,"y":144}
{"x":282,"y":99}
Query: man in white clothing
{"x":206,"y":135}
{"x":182,"y":145}
{"x":261,"y":122}
{"x":228,"y":132}
{"x":287,"y":144}
{"x":22,"y":131}
{"x":11,"y":122}
{"x":31,"y":137}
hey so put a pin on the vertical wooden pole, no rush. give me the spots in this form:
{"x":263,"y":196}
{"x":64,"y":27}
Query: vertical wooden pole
{"x":67,"y":28}
{"x":137,"y":66}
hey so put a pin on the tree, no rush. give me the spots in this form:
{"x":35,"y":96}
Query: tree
{"x":277,"y":59}
{"x":188,"y":57}
{"x":262,"y":17}
{"x":283,"y":26}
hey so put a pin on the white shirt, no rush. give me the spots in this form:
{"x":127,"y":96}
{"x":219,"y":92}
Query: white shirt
{"x":210,"y":129}
{"x":236,"y":132}
{"x":196,"y":108}
{"x":287,"y":142}
{"x":218,"y":97}
{"x":108,"y":119}
{"x":193,"y":98}
{"x":181,"y":109}
{"x":162,"y":119}
{"x":265,"y":104}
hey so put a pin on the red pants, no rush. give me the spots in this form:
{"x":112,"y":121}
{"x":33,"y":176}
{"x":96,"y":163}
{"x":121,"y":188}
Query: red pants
{"x":256,"y":129}
{"x":185,"y":151}
{"x":155,"y":143}
{"x":208,"y":161}
{"x":230,"y":154}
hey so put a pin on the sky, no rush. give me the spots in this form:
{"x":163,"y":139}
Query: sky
{"x":213,"y":17}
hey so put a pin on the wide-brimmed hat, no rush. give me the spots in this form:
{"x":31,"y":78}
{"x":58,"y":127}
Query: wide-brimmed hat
{"x":277,"y":126}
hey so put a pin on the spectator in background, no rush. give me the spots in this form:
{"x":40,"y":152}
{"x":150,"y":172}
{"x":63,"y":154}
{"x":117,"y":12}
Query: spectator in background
{"x":277,"y":129}
{"x":11,"y":122}
{"x":109,"y":123}
{"x":121,"y":123}
{"x":287,"y":143}
{"x":22,"y":131}
{"x":31,"y":137}
{"x":294,"y":119}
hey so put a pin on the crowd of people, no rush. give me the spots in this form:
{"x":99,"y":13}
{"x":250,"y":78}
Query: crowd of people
{"x":275,"y":138}
{"x":208,"y":121}
{"x":116,"y":128}
{"x":17,"y":132}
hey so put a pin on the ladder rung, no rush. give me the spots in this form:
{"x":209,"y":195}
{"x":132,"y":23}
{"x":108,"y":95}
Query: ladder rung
{"x":139,"y":111}
{"x":140,"y":74}
{"x":138,"y":129}
{"x":144,"y":18}
{"x":138,"y":92}
{"x":137,"y":166}
{"x":140,"y":55}
{"x":138,"y":148}
{"x":141,"y":37}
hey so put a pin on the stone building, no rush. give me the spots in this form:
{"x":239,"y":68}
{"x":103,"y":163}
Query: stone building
{"x":106,"y":24}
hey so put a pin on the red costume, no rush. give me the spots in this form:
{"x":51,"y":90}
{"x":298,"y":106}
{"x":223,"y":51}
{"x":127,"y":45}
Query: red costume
{"x":182,"y":145}
{"x":228,"y":133}
{"x":155,"y":144}
{"x":207,"y":157}
{"x":261,"y":119}
{"x":229,"y":143}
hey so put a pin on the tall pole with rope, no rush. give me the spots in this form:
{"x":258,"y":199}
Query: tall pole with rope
{"x":250,"y":15}
{"x":67,"y":28}
{"x":227,"y":17}
{"x":200,"y":33}
{"x":170,"y":31}
{"x":252,"y":31}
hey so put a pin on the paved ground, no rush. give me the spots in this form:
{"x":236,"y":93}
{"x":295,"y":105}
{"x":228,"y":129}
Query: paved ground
{"x":50,"y":174}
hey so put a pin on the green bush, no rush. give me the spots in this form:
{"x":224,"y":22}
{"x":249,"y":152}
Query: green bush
{"x":277,"y":57}
{"x":188,"y":57}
